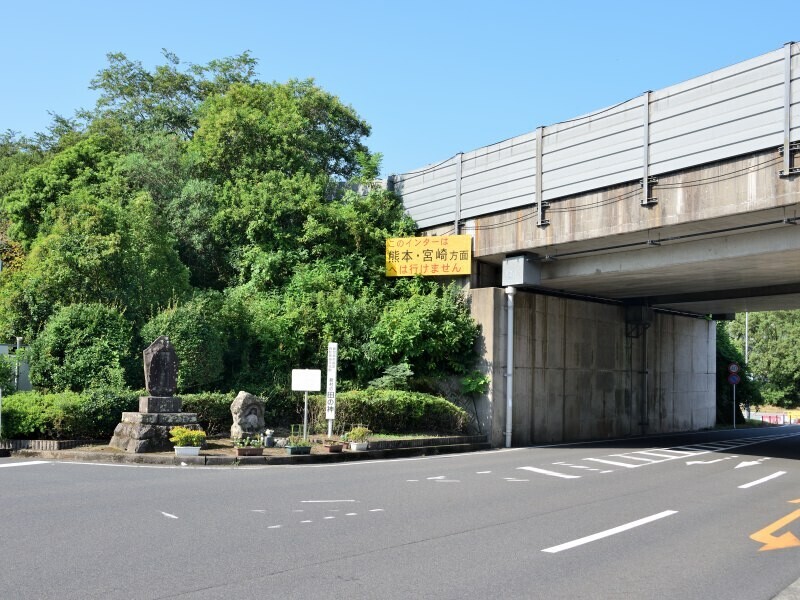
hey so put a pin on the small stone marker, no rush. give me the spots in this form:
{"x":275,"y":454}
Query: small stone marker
{"x":247,"y":411}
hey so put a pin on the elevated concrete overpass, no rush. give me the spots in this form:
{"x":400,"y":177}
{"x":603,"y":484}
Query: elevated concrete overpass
{"x":612,"y":231}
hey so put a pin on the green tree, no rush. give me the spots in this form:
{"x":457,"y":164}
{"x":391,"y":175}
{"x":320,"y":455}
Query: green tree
{"x":747,"y":392}
{"x":165,"y":99}
{"x":774,"y":353}
{"x":286,"y":128}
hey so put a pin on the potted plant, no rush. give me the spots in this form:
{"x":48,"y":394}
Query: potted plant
{"x":358,"y":438}
{"x":333,"y":446}
{"x":187,"y":441}
{"x":248,"y":446}
{"x":296,"y":444}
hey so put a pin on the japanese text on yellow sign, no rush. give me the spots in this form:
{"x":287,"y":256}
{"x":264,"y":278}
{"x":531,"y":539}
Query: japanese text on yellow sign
{"x":433,"y":255}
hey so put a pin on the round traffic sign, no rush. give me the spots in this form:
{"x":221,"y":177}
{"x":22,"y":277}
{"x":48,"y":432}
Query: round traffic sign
{"x":733,"y":367}
{"x":733,"y":379}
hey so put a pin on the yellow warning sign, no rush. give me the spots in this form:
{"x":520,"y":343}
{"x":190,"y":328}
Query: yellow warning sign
{"x":430,"y":255}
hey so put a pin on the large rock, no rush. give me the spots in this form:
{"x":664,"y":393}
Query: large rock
{"x":247,"y":411}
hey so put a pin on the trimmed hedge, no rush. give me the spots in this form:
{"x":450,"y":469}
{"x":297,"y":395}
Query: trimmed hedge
{"x":66,"y":415}
{"x":390,"y":411}
{"x":213,"y":410}
{"x":94,"y":414}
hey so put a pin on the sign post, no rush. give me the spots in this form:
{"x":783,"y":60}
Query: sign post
{"x":330,"y":393}
{"x":306,"y":380}
{"x":733,"y":379}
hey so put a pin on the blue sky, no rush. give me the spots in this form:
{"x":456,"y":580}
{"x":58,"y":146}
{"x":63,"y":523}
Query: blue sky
{"x":432,"y":77}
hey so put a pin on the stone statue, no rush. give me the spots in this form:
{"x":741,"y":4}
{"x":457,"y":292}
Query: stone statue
{"x":248,"y":415}
{"x":160,"y":368}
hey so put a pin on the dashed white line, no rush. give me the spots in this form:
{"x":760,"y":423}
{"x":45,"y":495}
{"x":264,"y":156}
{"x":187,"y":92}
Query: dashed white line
{"x":549,"y":473}
{"x":168,"y":515}
{"x":25,"y":463}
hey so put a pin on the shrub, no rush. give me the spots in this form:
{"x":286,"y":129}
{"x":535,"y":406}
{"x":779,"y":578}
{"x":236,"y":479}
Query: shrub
{"x":390,"y":411}
{"x":26,"y":415}
{"x":65,"y":415}
{"x":213,"y":410}
{"x":81,"y":346}
{"x":196,"y":330}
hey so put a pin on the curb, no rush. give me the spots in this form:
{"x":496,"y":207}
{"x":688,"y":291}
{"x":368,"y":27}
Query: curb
{"x":220,"y":460}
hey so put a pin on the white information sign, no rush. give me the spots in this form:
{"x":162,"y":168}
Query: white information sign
{"x":330,"y":394}
{"x":306,"y":380}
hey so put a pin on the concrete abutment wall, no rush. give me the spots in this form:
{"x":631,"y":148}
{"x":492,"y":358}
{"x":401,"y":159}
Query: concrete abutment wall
{"x":580,"y":372}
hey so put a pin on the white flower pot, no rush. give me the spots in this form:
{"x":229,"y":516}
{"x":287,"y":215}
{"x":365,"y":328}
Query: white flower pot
{"x":187,"y":450}
{"x":359,"y":446}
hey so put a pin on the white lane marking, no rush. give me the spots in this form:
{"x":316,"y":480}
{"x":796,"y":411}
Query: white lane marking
{"x":549,"y":473}
{"x":447,"y":481}
{"x":513,"y":479}
{"x":609,"y":532}
{"x":324,"y":501}
{"x":26,"y":463}
{"x":274,"y":527}
{"x":608,"y":471}
{"x":649,"y":461}
{"x":307,"y":521}
{"x":482,"y":472}
{"x":612,"y":462}
{"x":350,"y":514}
{"x":375,"y":510}
{"x":258,"y":510}
{"x":762,"y":480}
{"x":168,"y":515}
{"x":329,"y":517}
{"x":438,"y":477}
{"x":704,"y":462}
{"x":748,"y":463}
{"x":412,"y":480}
{"x":657,"y":455}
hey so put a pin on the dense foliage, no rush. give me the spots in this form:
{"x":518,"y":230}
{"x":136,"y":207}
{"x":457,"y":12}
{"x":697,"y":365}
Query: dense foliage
{"x":393,"y":411}
{"x":93,"y":414}
{"x":200,"y":203}
{"x":66,"y":415}
{"x":748,"y":392}
{"x":773,"y":353}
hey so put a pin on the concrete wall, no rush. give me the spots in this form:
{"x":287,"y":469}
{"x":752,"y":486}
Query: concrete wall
{"x":579,"y":371}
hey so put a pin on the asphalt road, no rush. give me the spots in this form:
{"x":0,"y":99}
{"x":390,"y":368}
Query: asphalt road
{"x":712,"y":515}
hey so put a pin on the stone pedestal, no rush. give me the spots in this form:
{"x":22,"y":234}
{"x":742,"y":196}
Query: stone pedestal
{"x":148,"y":429}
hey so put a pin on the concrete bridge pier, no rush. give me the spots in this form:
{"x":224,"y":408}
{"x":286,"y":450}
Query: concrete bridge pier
{"x":587,"y":370}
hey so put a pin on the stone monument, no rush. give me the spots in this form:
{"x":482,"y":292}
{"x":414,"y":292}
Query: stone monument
{"x":247,"y":411}
{"x":148,"y":429}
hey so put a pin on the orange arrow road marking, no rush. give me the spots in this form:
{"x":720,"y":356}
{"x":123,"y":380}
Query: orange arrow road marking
{"x":772,"y":542}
